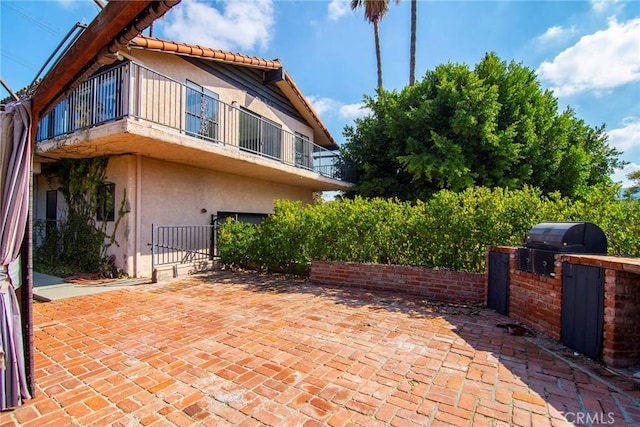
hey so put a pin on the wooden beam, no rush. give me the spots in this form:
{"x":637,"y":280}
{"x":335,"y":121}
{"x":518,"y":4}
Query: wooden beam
{"x":89,"y":51}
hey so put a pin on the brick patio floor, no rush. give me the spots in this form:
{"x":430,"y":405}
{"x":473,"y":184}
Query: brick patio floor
{"x":242,"y":349}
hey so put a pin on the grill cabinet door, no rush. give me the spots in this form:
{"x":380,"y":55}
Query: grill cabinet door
{"x":582,"y":308}
{"x":498,"y":286}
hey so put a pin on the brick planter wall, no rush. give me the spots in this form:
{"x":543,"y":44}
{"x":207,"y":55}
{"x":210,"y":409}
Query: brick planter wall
{"x":442,"y":285}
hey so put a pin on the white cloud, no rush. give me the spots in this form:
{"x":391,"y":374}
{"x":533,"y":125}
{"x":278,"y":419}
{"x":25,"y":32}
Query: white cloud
{"x":626,"y":137}
{"x":353,"y":111}
{"x":238,"y":25}
{"x":338,"y":8}
{"x":599,"y":61}
{"x":330,"y":107}
{"x":620,"y":175}
{"x":555,"y":33}
{"x":323,"y":105}
{"x":601,"y":6}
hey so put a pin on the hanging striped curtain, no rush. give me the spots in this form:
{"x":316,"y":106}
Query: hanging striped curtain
{"x":15,"y":165}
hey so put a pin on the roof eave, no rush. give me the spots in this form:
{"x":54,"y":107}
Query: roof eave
{"x":322,"y":136}
{"x":200,"y":52}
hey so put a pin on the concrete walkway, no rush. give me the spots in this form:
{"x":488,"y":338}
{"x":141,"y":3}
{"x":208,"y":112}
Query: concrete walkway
{"x":242,"y":349}
{"x":48,"y":288}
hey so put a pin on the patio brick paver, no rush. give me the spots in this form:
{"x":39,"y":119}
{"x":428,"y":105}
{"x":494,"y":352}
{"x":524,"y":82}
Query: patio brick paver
{"x":243,"y":349}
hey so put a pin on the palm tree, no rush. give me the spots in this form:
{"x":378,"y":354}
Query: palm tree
{"x":374,"y":10}
{"x":412,"y":50}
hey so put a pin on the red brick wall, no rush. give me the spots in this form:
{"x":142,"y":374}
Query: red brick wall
{"x":536,"y":300}
{"x":621,"y":318}
{"x":437,"y":284}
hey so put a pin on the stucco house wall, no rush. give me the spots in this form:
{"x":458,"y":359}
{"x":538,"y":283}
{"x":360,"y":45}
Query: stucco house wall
{"x":181,"y":70}
{"x":165,"y":193}
{"x":164,"y":176}
{"x":173,"y":194}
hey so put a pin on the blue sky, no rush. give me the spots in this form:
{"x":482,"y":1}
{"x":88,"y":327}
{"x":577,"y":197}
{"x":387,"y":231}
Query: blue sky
{"x":588,"y":52}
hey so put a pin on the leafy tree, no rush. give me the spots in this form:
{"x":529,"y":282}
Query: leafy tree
{"x":635,"y":188}
{"x":491,"y":126}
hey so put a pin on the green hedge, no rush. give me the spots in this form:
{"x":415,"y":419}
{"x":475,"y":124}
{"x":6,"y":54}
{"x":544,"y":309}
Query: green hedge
{"x":450,"y":231}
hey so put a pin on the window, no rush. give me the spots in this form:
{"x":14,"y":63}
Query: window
{"x":303,"y":151}
{"x":81,"y":102}
{"x":202,"y":112}
{"x":43,"y":128}
{"x":51,"y":214}
{"x":249,"y":132}
{"x":271,"y":138}
{"x":106,"y":200}
{"x":107,"y":96}
{"x":60,"y":118}
{"x":252,"y":218}
{"x":55,"y":123}
{"x":260,"y":135}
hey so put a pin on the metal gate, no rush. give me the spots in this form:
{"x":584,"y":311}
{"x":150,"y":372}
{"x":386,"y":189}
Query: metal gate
{"x":181,"y":244}
{"x":498,"y":282}
{"x":582,"y":308}
{"x":195,"y":245}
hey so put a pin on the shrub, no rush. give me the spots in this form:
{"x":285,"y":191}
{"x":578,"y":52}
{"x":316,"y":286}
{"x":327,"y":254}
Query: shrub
{"x":237,"y":243}
{"x":450,"y":231}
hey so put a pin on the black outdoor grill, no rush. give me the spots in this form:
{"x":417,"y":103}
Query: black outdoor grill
{"x":550,"y":238}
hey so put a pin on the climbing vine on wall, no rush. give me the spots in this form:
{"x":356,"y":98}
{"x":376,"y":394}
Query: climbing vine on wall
{"x":80,"y":242}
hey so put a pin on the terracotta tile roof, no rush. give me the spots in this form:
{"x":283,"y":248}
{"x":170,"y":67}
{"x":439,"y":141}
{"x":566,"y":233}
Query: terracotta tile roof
{"x":154,"y":43}
{"x":204,"y":52}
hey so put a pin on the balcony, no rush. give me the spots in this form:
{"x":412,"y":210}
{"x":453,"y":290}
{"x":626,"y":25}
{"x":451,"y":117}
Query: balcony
{"x":133,"y":91}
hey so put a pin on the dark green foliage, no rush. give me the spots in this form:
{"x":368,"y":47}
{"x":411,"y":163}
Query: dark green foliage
{"x":237,"y":243}
{"x":72,"y":247}
{"x":635,"y":187}
{"x":491,"y":126}
{"x":450,"y":231}
{"x":79,"y":243}
{"x":273,"y":245}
